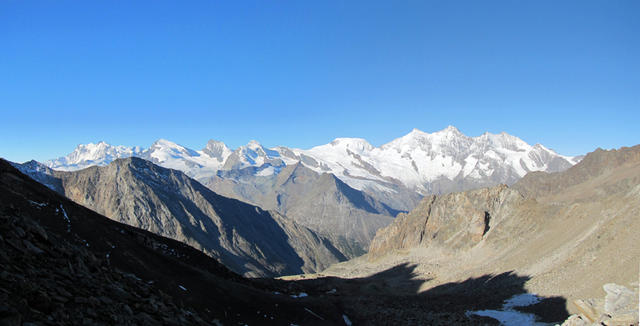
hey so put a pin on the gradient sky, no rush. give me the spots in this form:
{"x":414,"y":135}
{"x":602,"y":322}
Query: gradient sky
{"x":301,"y":73}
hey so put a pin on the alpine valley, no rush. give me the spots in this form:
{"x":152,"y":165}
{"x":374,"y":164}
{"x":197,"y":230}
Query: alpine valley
{"x":429,"y":229}
{"x":344,"y":191}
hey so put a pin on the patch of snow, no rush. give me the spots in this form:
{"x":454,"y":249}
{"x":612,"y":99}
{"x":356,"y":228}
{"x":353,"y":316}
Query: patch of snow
{"x":66,"y":218}
{"x":346,"y":320}
{"x":270,"y":170}
{"x":313,"y":313}
{"x":182,"y":288}
{"x":300,"y":295}
{"x":37,"y":204}
{"x":522,"y":300}
{"x":508,"y":316}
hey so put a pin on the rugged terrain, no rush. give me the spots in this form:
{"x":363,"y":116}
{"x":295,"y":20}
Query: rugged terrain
{"x":245,"y":238}
{"x":65,"y":264}
{"x":569,"y":232}
{"x":396,"y":173}
{"x":321,"y":202}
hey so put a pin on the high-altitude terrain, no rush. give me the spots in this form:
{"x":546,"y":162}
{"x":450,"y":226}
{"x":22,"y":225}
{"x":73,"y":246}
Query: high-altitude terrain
{"x":321,"y":202}
{"x":570,"y":233}
{"x":63,"y":264}
{"x":396,"y":173}
{"x":342,"y":192}
{"x":245,"y":238}
{"x":345,"y":190}
{"x":564,"y":232}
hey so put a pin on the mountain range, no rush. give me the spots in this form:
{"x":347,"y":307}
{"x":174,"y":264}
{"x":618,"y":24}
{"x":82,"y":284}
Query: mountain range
{"x":563,"y":231}
{"x":417,"y":163}
{"x":246,"y":238}
{"x":571,"y":232}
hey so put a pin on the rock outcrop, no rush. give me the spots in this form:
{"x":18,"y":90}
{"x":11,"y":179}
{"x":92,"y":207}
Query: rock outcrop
{"x":457,"y":220}
{"x":570,"y":231}
{"x":619,"y":307}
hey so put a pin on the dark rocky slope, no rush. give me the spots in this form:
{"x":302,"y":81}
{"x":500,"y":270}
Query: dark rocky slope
{"x":63,"y":264}
{"x":247,"y":239}
{"x":321,"y":202}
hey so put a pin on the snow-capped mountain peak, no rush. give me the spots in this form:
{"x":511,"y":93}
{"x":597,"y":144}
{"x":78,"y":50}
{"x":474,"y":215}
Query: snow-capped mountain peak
{"x":354,"y":144}
{"x":163,"y":150}
{"x":86,"y":155}
{"x":253,"y":144}
{"x":217,"y":149}
{"x":445,"y":160}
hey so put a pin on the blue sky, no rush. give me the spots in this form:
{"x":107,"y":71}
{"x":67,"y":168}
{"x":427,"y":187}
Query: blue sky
{"x":300,"y":73}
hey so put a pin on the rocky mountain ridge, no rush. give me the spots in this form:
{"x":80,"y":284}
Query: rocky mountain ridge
{"x":426,"y":163}
{"x":65,"y":264}
{"x":571,"y":232}
{"x":320,"y":202}
{"x":245,"y":238}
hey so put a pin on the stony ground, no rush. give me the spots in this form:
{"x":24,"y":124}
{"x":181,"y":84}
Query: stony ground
{"x":63,"y":264}
{"x":573,"y":233}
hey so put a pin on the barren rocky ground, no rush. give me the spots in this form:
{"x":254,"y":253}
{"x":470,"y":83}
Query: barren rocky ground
{"x":569,"y":233}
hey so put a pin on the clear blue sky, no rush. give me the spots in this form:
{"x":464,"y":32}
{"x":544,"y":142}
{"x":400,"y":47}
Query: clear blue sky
{"x":300,"y":73}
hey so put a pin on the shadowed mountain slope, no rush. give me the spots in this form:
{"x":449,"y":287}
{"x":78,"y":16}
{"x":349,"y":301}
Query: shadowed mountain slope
{"x":245,"y":238}
{"x":320,"y":202}
{"x":65,"y":264}
{"x":571,"y":231}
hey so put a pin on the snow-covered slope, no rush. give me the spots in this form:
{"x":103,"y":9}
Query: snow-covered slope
{"x":194,"y":163}
{"x":422,"y":162}
{"x":92,"y":154}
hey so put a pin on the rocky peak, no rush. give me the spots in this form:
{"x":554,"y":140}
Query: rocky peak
{"x":460,"y":220}
{"x":217,"y":149}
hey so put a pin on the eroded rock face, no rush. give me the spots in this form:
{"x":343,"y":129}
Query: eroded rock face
{"x":457,"y":220}
{"x":599,"y":162}
{"x":321,"y":202}
{"x":247,"y":239}
{"x":619,"y":307}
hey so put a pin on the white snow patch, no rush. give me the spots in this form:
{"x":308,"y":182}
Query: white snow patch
{"x":346,"y":320}
{"x":37,"y":204}
{"x":266,"y":172}
{"x":301,"y":295}
{"x":66,"y":218}
{"x":313,"y":313}
{"x":508,"y":316}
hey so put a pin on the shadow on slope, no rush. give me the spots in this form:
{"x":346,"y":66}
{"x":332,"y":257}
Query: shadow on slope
{"x":69,"y":252}
{"x":397,"y":296}
{"x":55,"y":250}
{"x":248,"y":240}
